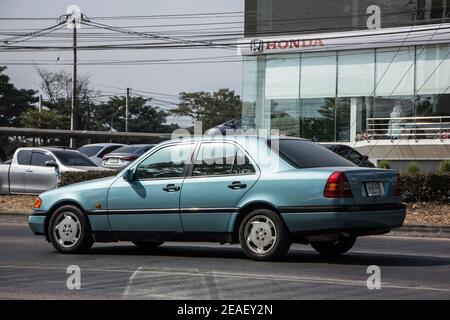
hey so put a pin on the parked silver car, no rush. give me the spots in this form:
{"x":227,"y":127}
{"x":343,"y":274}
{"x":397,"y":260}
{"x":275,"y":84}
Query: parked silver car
{"x":96,"y":151}
{"x":35,"y":170}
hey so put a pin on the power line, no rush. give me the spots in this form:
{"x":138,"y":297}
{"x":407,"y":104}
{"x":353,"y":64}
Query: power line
{"x":148,"y":35}
{"x":31,"y":35}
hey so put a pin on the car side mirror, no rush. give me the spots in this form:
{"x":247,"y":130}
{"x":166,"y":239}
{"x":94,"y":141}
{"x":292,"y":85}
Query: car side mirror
{"x":128,"y":175}
{"x":51,"y":163}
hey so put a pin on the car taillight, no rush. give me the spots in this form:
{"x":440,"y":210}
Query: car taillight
{"x":398,"y":187}
{"x":337,"y":186}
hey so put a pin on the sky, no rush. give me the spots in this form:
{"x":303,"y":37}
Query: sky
{"x":167,"y":79}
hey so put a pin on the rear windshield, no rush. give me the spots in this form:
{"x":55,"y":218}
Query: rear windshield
{"x":307,"y":154}
{"x":73,"y":158}
{"x":128,"y":149}
{"x":90,"y":150}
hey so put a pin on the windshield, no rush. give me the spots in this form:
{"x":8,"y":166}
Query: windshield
{"x":73,"y":158}
{"x":128,"y":149}
{"x":307,"y":154}
{"x":90,"y":150}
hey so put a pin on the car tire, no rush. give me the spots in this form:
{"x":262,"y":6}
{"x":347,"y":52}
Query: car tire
{"x":263,"y":235}
{"x":334,"y":248}
{"x":69,"y":230}
{"x":147,"y":244}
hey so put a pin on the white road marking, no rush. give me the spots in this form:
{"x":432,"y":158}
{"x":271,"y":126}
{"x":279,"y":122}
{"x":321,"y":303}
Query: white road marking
{"x":181,"y":272}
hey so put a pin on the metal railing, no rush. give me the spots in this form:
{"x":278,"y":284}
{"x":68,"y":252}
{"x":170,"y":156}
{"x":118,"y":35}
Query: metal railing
{"x":437,"y":127}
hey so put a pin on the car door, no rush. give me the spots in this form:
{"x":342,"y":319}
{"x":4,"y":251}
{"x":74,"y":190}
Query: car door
{"x":38,"y":177}
{"x":220,"y":175}
{"x":17,"y":171}
{"x":150,"y":200}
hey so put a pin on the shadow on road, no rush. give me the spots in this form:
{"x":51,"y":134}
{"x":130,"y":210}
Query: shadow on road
{"x":294,"y":256}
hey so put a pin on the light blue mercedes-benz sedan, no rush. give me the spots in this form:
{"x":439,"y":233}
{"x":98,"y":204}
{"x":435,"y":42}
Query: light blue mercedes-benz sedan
{"x":264,"y":193}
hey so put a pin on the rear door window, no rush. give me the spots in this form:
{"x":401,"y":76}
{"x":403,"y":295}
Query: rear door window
{"x":218,"y":159}
{"x":23,"y":157}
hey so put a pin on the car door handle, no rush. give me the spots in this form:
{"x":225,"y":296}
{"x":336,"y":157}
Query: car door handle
{"x":28,"y":170}
{"x":237,"y":185}
{"x":171,"y":188}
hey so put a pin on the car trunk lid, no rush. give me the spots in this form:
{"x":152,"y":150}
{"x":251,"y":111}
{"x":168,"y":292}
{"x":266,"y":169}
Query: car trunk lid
{"x":370,"y":186}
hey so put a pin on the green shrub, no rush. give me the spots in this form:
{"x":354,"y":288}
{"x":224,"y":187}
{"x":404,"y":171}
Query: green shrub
{"x":425,"y":187}
{"x":412,"y":168}
{"x":384,"y":164}
{"x":70,"y":177}
{"x":444,"y":167}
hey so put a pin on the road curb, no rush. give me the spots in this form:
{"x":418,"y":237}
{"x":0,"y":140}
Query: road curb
{"x":422,"y":230}
{"x":407,"y":230}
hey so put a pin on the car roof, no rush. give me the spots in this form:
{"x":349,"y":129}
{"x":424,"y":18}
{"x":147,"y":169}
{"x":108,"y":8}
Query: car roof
{"x":106,"y":144}
{"x":236,"y":138}
{"x":52,"y":149}
{"x":139,"y":145}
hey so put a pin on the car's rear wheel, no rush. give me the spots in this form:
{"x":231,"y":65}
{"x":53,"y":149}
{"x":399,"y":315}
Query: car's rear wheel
{"x":263,"y":235}
{"x":334,"y":248}
{"x":69,"y":230}
{"x":147,"y":244}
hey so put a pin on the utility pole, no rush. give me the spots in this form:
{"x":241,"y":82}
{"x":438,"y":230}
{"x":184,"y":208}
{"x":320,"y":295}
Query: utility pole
{"x":73,"y":18}
{"x":40,"y":103}
{"x":73,"y":113}
{"x":127,"y":105}
{"x":39,"y":123}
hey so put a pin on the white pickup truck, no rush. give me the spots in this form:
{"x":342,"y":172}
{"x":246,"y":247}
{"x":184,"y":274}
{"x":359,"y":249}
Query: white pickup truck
{"x":35,"y":170}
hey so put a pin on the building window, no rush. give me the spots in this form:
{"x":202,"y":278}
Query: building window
{"x":356,"y":73}
{"x":432,"y":69}
{"x":282,"y":93}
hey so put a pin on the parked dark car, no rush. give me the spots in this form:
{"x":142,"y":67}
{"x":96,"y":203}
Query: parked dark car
{"x":97,"y":151}
{"x":286,"y":125}
{"x":123,"y":156}
{"x":233,"y":124}
{"x":350,"y":154}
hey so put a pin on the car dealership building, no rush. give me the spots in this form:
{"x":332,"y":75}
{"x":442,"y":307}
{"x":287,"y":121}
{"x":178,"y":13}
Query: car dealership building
{"x":371,"y":74}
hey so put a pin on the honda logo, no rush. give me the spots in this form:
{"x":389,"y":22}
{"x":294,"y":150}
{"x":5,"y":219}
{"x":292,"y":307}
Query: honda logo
{"x":256,"y":46}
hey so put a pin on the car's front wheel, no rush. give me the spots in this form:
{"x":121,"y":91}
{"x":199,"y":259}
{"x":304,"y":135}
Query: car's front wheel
{"x":263,"y":235}
{"x":147,"y":244}
{"x":334,"y":248}
{"x":69,"y":230}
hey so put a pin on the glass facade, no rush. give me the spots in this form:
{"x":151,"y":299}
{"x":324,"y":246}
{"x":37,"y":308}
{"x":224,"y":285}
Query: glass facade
{"x":343,"y":95}
{"x":275,"y":17}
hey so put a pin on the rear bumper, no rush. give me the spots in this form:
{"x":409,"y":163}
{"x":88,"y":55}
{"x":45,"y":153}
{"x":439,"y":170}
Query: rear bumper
{"x":36,"y":221}
{"x":357,"y":219}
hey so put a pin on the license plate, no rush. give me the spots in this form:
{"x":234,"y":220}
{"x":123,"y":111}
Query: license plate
{"x":373,"y":189}
{"x":113,"y":160}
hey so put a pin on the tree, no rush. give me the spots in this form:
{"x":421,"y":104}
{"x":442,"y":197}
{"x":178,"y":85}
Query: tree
{"x":57,"y":88}
{"x":13,"y":101}
{"x":209,"y":108}
{"x":48,"y":119}
{"x":143,"y":117}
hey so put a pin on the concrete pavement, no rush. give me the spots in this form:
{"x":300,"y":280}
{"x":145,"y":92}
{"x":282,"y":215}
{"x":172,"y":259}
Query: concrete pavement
{"x":411,"y":268}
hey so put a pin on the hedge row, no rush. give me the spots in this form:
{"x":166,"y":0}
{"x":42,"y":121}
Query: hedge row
{"x":425,"y":187}
{"x":416,"y":187}
{"x":70,"y":177}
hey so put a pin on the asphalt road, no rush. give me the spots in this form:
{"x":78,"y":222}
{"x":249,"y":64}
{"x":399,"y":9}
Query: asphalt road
{"x":411,"y":268}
